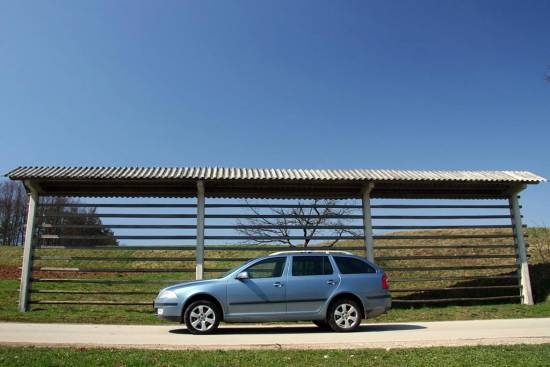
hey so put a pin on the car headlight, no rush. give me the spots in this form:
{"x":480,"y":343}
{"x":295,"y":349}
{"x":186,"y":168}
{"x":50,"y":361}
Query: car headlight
{"x":168,"y":295}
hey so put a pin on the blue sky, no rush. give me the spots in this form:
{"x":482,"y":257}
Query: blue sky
{"x":324,"y":84}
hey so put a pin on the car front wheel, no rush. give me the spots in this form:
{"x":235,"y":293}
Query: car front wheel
{"x":344,"y":315}
{"x":202,"y":317}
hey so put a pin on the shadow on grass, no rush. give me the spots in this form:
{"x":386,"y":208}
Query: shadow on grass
{"x":540,"y":284}
{"x":229,"y":330}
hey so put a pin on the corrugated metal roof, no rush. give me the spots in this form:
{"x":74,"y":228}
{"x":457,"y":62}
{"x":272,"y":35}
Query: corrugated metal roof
{"x":223,"y":173}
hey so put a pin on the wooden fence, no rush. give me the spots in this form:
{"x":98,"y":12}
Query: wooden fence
{"x":433,"y":253}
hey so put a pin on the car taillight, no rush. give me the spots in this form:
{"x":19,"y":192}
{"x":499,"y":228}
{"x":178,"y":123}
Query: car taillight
{"x":385,"y":282}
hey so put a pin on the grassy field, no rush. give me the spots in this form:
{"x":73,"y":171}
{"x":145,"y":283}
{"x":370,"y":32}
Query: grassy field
{"x":518,"y":355}
{"x":10,"y":258}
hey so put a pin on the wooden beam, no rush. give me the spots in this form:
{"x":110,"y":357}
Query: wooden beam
{"x":525,"y":281}
{"x":367,"y":221}
{"x":26,"y":267}
{"x":199,"y":253}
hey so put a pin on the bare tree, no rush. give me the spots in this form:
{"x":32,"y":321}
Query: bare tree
{"x":306,"y":220}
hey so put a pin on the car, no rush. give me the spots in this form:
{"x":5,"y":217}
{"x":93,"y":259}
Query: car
{"x":334,"y":289}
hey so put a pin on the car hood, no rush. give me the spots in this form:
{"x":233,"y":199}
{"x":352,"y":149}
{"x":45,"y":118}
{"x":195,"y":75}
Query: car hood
{"x":190,"y":284}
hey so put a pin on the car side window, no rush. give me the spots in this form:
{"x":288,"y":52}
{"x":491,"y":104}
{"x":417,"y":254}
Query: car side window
{"x":311,"y":265}
{"x":350,"y":265}
{"x":268,"y":268}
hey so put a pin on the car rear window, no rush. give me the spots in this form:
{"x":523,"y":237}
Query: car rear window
{"x":311,"y":265}
{"x":350,"y":265}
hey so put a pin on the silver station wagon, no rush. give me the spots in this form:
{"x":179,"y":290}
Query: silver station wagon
{"x":334,"y":289}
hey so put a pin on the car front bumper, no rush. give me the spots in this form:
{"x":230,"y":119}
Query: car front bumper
{"x":169,"y":311}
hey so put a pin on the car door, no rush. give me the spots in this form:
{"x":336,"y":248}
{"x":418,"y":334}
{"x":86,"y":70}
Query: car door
{"x":310,"y":282}
{"x":262,"y":295}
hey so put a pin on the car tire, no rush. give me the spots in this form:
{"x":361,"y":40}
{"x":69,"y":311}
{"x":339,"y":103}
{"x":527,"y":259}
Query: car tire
{"x":344,"y":315}
{"x":321,"y":324}
{"x":202,"y":317}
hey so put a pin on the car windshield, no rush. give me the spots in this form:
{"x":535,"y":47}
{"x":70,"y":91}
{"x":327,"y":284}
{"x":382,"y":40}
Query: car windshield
{"x":233,"y":269}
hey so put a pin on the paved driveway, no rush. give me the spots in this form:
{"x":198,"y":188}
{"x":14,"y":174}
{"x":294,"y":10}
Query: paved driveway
{"x":288,"y":336}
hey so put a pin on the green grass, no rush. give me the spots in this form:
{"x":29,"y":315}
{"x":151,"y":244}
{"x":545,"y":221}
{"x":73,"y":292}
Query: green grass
{"x":10,"y":255}
{"x":517,"y":355}
{"x":71,"y":313}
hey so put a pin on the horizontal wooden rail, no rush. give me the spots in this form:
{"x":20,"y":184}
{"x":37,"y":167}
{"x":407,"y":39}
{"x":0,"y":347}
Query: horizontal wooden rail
{"x":273,"y":205}
{"x":150,"y":303}
{"x":440,"y":216}
{"x":102,"y":205}
{"x":111,"y":303}
{"x":444,"y":237}
{"x":120,"y":237}
{"x":440,"y":268}
{"x":169,"y":281}
{"x":461,"y":226}
{"x":107,"y":281}
{"x":397,"y":300}
{"x":273,"y":238}
{"x":113,"y":258}
{"x":229,"y":259}
{"x":122,"y":215}
{"x":285,"y":206}
{"x":124,"y":270}
{"x":133,"y":258}
{"x":184,"y":259}
{"x":443,"y":257}
{"x":122,"y":248}
{"x":63,"y":291}
{"x":266,"y":247}
{"x":403,"y":290}
{"x":272,"y":216}
{"x":452,"y":278}
{"x":352,"y":206}
{"x":281,"y":238}
{"x":281,"y":248}
{"x":352,"y":216}
{"x":439,"y":206}
{"x":481,"y":246}
{"x":246,"y":226}
{"x":112,"y":270}
{"x":122,"y":226}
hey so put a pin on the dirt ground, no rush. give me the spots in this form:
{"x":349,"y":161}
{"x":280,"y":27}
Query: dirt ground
{"x":10,"y":272}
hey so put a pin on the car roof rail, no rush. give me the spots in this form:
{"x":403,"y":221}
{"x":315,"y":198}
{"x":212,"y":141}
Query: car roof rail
{"x":311,"y":252}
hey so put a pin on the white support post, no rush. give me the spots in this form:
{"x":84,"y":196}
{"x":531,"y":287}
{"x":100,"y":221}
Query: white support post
{"x":199,"y":250}
{"x":26,"y":267}
{"x":525,"y":281}
{"x":367,"y":221}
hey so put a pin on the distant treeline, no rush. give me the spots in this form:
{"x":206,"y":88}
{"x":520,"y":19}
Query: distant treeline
{"x":13,"y":215}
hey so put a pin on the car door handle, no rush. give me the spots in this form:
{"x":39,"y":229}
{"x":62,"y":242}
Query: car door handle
{"x":331,"y":282}
{"x":278,"y":284}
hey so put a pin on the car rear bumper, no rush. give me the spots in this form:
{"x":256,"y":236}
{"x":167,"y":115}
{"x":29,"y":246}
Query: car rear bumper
{"x":378,"y":305}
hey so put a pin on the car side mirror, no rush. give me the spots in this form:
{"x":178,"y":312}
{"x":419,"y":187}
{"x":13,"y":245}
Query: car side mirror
{"x":242,"y":275}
